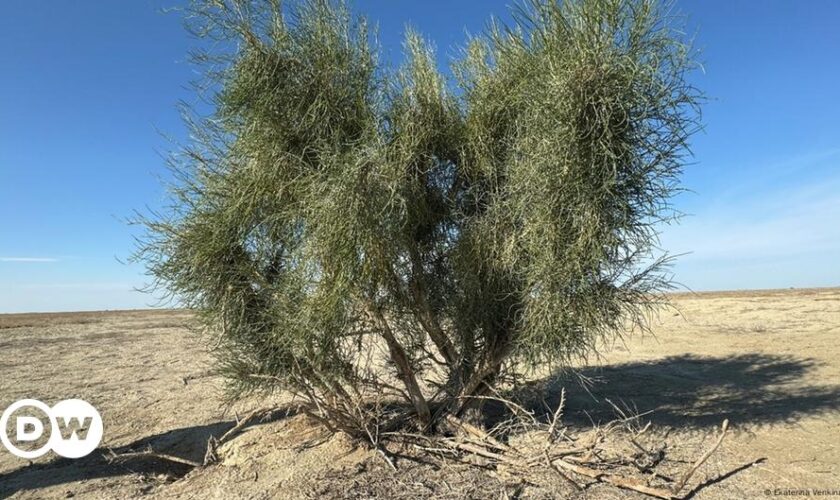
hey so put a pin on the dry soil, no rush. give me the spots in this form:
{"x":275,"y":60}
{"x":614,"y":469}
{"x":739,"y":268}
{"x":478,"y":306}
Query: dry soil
{"x":769,"y":361}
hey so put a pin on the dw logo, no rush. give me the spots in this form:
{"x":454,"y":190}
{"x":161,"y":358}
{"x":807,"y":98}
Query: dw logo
{"x":75,"y":428}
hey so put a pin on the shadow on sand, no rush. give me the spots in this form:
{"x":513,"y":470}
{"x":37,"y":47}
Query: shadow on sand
{"x":690,"y":391}
{"x":188,"y":442}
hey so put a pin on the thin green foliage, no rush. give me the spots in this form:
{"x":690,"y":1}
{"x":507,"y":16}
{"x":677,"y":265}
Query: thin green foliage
{"x":332,"y":214}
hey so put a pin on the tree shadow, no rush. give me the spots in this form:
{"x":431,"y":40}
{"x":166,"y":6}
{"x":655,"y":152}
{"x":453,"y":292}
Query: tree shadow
{"x":689,"y":391}
{"x":189,"y":443}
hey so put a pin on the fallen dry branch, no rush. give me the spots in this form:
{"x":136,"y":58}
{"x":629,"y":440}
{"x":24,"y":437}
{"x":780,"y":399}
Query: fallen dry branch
{"x":210,"y":455}
{"x":721,"y":477}
{"x":387,"y":457}
{"x":149,"y":453}
{"x":555,"y":418}
{"x":476,"y":432}
{"x":244,"y":422}
{"x":679,"y":486}
{"x":593,"y":455}
{"x":628,"y":483}
{"x":560,"y":473}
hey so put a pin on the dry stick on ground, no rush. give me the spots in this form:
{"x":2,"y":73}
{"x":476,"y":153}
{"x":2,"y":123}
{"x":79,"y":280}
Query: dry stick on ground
{"x":480,"y":451}
{"x":213,"y":443}
{"x":620,"y":481}
{"x":623,"y":482}
{"x":637,"y":485}
{"x":721,"y":477}
{"x":476,"y":432}
{"x":516,"y":458}
{"x":628,"y":483}
{"x":560,"y":473}
{"x":384,"y":454}
{"x":209,"y":455}
{"x":558,"y":413}
{"x":375,"y":442}
{"x":679,"y":486}
{"x":242,"y":423}
{"x":114,"y":457}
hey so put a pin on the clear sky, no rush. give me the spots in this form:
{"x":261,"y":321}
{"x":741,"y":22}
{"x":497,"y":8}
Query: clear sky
{"x":87,"y":87}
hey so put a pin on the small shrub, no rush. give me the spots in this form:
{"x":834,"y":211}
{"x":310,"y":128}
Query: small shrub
{"x":333,"y":214}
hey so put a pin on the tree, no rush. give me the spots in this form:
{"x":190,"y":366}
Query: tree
{"x":353,"y":233}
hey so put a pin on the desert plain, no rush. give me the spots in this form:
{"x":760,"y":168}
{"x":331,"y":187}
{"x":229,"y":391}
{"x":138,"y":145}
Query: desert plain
{"x":769,"y":361}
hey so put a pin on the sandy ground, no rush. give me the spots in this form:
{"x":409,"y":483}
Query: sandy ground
{"x":768,"y":361}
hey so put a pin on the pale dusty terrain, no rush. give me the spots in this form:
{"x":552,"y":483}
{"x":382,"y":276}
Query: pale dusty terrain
{"x":768,"y":361}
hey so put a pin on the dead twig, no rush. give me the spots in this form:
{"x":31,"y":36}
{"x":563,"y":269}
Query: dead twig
{"x":558,"y":413}
{"x":721,"y":477}
{"x":628,"y":483}
{"x":386,"y":456}
{"x":480,"y":451}
{"x":210,"y":455}
{"x":561,"y":473}
{"x":242,"y":423}
{"x":476,"y":432}
{"x":584,"y":457}
{"x":682,"y":482}
{"x":115,"y":457}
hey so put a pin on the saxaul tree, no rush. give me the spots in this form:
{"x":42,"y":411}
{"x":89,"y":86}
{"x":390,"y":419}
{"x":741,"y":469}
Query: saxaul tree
{"x":386,"y":242}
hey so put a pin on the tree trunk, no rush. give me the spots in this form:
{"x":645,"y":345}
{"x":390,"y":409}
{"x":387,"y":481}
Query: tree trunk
{"x":404,"y":371}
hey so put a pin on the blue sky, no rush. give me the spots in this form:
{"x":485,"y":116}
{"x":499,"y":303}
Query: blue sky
{"x":87,"y":88}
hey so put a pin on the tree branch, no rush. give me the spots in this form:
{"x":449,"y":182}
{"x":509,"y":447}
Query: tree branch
{"x":404,"y":370}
